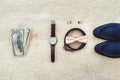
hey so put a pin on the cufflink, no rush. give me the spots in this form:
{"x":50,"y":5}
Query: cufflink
{"x":69,"y":22}
{"x":20,"y":38}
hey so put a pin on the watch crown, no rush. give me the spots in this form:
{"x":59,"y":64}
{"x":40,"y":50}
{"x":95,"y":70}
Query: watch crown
{"x":53,"y":23}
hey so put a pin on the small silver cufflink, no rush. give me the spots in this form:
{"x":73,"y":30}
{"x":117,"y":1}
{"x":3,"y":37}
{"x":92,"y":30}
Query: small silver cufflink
{"x":20,"y":38}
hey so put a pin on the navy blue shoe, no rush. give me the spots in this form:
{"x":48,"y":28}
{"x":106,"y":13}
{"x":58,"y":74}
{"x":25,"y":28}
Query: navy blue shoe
{"x":109,"y":49}
{"x":109,"y":31}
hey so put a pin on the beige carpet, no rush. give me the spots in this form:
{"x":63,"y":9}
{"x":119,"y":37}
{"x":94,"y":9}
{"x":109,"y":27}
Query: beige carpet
{"x":84,"y":64}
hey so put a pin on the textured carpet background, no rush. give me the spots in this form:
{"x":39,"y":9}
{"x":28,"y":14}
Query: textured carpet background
{"x":84,"y":64}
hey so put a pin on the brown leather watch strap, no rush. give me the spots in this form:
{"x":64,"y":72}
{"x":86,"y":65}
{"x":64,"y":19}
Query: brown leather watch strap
{"x":52,"y":53}
{"x":53,"y":30}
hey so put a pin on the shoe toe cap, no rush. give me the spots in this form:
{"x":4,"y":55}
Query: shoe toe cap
{"x":96,"y":32}
{"x":98,"y":48}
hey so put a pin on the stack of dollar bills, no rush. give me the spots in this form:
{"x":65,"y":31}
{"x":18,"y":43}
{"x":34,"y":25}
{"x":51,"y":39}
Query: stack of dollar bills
{"x":20,"y":38}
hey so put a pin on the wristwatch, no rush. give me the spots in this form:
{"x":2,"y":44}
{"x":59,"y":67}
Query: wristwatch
{"x":53,"y":41}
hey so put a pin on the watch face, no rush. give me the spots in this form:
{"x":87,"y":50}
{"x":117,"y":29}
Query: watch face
{"x":53,"y":40}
